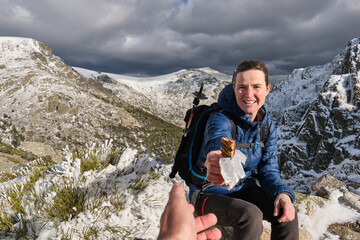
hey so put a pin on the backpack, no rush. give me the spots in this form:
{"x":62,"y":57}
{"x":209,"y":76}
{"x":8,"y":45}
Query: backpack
{"x":191,"y":141}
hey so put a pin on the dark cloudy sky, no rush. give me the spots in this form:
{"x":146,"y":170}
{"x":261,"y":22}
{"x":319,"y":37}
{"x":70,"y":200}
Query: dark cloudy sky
{"x":152,"y":37}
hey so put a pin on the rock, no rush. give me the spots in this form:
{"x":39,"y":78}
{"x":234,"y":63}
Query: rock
{"x":29,"y":156}
{"x":266,"y":235}
{"x":325,"y":184}
{"x":308,"y":204}
{"x":42,"y":150}
{"x":55,"y":104}
{"x":8,"y":161}
{"x":349,"y":231}
{"x":352,"y":200}
{"x":304,"y":235}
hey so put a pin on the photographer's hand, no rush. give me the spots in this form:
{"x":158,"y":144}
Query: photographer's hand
{"x":178,"y":222}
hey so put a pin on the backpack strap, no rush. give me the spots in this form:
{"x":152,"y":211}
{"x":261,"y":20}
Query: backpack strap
{"x":264,"y":132}
{"x":233,"y":126}
{"x":250,"y":145}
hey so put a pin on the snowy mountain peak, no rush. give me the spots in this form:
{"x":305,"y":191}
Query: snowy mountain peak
{"x":17,"y":47}
{"x":349,"y":60}
{"x":352,"y":57}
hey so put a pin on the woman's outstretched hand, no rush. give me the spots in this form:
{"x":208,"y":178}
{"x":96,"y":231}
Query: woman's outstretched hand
{"x":212,"y":164}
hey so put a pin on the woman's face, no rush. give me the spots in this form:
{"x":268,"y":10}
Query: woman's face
{"x":250,"y":91}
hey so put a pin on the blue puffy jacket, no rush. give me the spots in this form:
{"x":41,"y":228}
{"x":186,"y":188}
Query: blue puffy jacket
{"x":262,"y":159}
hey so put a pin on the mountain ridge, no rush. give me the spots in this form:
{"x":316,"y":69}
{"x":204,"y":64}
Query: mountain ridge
{"x":167,"y":96}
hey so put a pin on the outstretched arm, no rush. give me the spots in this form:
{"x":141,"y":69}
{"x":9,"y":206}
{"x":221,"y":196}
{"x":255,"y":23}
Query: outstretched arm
{"x":178,"y":222}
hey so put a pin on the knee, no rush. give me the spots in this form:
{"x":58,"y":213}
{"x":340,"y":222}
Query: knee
{"x":254,"y":214}
{"x":251,"y":215}
{"x":249,"y":224}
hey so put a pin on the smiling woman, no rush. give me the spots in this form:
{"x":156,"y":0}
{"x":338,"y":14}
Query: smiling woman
{"x":248,"y":203}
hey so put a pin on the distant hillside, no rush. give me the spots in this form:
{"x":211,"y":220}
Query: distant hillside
{"x":44,"y":100}
{"x":167,"y":96}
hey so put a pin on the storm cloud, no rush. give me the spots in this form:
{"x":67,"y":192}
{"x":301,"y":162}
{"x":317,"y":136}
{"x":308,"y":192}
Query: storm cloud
{"x":161,"y":36}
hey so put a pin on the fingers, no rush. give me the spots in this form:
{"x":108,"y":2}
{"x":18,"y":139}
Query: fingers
{"x":288,"y":213}
{"x":213,"y":234}
{"x":287,"y":216}
{"x":204,"y":222}
{"x":212,"y":165}
{"x":212,"y":161}
{"x":176,"y":199}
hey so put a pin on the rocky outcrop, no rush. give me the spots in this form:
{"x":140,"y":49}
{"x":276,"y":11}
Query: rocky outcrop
{"x":309,"y":206}
{"x":11,"y":157}
{"x":317,"y":113}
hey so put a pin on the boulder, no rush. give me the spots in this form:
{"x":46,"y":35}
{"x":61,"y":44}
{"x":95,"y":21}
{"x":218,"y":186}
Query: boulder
{"x":324,"y":185}
{"x":42,"y":150}
{"x":352,"y":200}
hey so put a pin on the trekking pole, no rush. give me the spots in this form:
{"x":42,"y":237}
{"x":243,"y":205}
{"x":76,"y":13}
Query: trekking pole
{"x":198,"y":96}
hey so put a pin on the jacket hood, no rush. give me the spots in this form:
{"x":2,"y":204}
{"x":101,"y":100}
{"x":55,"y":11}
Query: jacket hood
{"x":227,"y":101}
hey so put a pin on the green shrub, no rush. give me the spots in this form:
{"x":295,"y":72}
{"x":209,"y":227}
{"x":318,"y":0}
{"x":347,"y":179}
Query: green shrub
{"x":67,"y":203}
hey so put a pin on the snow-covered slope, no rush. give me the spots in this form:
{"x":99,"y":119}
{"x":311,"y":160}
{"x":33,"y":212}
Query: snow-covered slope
{"x":122,"y":201}
{"x":44,"y":100}
{"x":42,"y":96}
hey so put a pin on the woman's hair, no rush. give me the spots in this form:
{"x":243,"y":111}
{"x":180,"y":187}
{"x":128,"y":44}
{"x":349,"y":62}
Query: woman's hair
{"x":252,"y":65}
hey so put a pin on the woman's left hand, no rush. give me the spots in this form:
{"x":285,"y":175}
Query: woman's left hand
{"x":283,"y":202}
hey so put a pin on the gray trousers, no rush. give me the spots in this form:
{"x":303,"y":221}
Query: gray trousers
{"x":245,"y":211}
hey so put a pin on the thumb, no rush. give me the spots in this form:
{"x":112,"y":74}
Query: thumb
{"x":276,"y":208}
